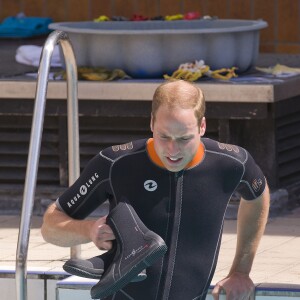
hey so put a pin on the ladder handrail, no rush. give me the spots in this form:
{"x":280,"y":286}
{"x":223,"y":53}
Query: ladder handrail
{"x":56,"y":37}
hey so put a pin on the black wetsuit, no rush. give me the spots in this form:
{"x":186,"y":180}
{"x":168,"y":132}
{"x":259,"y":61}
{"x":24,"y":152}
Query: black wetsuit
{"x":186,"y":209}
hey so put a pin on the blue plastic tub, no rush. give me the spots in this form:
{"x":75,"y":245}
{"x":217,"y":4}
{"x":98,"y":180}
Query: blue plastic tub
{"x":149,"y":49}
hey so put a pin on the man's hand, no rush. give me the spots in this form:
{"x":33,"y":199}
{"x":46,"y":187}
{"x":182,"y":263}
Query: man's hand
{"x":252,"y":219}
{"x":101,"y":234}
{"x":237,"y":286}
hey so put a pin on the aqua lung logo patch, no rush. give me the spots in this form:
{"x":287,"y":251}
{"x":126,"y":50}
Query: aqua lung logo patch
{"x":256,"y":184}
{"x":122,"y":147}
{"x":134,"y":252}
{"x":228,"y":147}
{"x":150,"y":185}
{"x":83,"y":189}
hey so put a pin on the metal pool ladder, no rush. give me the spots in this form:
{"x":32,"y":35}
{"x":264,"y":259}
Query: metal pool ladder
{"x":56,"y":37}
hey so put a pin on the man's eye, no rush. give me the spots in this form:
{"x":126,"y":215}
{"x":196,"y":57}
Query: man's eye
{"x":185,"y":139}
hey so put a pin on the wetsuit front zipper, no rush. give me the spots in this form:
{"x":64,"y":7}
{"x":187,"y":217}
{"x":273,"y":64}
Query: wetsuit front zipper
{"x":176,"y":186}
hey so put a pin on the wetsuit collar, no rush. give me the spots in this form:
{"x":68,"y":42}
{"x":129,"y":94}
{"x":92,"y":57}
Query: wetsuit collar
{"x":154,"y":157}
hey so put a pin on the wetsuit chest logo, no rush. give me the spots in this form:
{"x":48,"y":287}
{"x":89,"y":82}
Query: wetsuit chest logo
{"x":257,"y":184}
{"x":122,"y":147}
{"x":150,"y":185}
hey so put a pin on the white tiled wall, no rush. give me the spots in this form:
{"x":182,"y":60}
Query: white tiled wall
{"x":275,"y":298}
{"x":67,"y":294}
{"x":36,"y":288}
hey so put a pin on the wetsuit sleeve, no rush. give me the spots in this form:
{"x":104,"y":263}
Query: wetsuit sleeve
{"x":253,"y":181}
{"x":89,"y":191}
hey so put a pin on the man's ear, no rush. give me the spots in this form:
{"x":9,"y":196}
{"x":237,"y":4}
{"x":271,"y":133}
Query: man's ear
{"x":151,"y":122}
{"x":202,"y":126}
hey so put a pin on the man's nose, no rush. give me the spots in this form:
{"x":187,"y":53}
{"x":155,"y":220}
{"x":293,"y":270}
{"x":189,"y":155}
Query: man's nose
{"x":173,"y":148}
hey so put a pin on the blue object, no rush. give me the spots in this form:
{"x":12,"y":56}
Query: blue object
{"x":22,"y":27}
{"x":159,"y":47}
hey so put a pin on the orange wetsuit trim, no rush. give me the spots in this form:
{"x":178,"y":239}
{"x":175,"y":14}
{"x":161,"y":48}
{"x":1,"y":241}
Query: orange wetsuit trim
{"x":154,"y":157}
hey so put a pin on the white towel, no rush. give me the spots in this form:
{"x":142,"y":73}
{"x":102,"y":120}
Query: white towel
{"x":280,"y":71}
{"x":30,"y":55}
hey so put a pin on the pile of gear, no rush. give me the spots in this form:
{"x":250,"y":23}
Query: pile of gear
{"x":198,"y":69}
{"x":193,"y":15}
{"x":186,"y":71}
{"x":95,"y":74}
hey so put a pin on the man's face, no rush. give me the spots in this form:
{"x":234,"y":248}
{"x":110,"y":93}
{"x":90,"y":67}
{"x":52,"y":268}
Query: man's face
{"x":176,"y":136}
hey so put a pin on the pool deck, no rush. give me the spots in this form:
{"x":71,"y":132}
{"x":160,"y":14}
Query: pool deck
{"x":277,"y":260}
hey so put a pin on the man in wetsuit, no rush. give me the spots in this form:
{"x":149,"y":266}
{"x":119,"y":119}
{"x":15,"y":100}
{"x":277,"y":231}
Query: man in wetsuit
{"x":179,"y":184}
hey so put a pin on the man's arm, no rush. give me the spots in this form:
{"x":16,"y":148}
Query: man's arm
{"x":252,"y":219}
{"x":61,"y":230}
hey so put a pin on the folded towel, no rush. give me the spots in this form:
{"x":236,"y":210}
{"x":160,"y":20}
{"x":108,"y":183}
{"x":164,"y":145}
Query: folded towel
{"x":280,"y":71}
{"x":22,"y":27}
{"x":30,"y":55}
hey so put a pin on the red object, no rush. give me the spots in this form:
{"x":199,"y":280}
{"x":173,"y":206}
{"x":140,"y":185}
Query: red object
{"x":138,"y":18}
{"x":192,"y":15}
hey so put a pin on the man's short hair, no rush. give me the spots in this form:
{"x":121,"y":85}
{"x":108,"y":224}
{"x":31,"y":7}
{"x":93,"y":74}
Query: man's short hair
{"x":179,"y":93}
